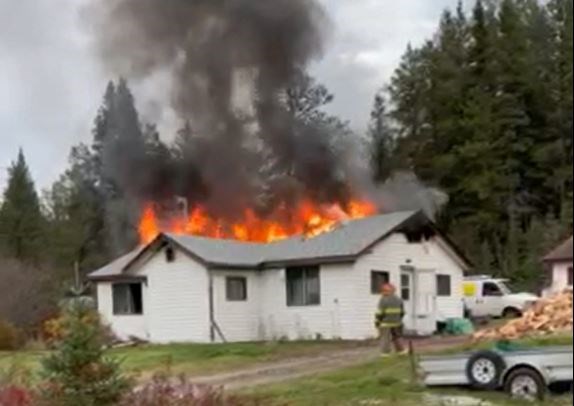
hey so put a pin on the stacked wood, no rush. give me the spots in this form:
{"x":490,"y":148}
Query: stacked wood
{"x":547,"y":316}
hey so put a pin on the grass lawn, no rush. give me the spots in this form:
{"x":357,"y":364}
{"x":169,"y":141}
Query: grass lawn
{"x":386,"y":382}
{"x":192,"y":359}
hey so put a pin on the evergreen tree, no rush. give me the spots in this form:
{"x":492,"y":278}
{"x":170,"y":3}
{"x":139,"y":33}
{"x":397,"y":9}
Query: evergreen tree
{"x":79,"y":372}
{"x":76,"y":216}
{"x":484,"y":111}
{"x":381,"y":140}
{"x":21,"y":220}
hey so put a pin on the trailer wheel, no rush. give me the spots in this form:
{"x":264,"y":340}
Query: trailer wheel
{"x":525,"y":384}
{"x":484,"y":370}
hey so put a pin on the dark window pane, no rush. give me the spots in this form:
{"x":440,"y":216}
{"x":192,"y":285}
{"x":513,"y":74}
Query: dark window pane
{"x":127,"y":298}
{"x":378,"y":279}
{"x":443,"y":285}
{"x":136,"y":298}
{"x":295,"y":287}
{"x":236,"y":289}
{"x":303,"y":286}
{"x":570,"y":276}
{"x":313,"y":294}
{"x":406,"y":287}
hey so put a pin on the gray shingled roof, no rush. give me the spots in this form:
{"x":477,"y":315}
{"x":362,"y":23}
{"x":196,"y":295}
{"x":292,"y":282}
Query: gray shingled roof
{"x":561,"y":253}
{"x":347,"y":240}
{"x":115,"y":267}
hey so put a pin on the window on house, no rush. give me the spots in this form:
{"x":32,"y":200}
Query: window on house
{"x":303,"y":286}
{"x":406,"y":287}
{"x":236,"y":289}
{"x":443,"y":286}
{"x":378,"y":279}
{"x":570,"y":276}
{"x":127,"y":298}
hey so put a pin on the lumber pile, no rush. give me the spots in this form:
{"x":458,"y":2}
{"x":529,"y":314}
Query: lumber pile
{"x":547,"y":316}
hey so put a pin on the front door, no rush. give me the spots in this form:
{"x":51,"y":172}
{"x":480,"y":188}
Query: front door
{"x":425,"y":302}
{"x":406,"y":293}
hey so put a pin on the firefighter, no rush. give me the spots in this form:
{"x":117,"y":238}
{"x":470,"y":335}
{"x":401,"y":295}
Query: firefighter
{"x":389,"y":320}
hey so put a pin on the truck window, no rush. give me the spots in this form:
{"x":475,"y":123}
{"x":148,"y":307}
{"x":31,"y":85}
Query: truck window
{"x":491,"y":289}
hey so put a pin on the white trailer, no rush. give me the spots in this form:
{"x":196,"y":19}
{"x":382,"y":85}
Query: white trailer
{"x":524,"y":374}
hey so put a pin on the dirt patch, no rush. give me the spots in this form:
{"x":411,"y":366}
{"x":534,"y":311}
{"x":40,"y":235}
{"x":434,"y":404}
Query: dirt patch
{"x":265,"y":374}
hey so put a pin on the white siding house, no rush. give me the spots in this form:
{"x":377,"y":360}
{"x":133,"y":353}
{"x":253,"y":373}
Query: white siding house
{"x":190,"y":289}
{"x":560,"y":266}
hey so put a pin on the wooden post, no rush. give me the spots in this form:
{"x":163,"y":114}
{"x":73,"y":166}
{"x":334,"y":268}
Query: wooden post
{"x":77,"y":275}
{"x":413,"y":363}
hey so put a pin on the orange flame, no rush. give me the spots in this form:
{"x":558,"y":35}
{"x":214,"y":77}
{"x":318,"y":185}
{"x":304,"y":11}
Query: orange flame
{"x":307,"y":219}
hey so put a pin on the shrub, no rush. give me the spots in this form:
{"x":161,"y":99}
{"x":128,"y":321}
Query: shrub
{"x":164,"y":390}
{"x":15,"y":396}
{"x":9,"y":336}
{"x":78,"y":371}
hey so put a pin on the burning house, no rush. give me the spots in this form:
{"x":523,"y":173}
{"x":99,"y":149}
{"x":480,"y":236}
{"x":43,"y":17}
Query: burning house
{"x":280,"y":233}
{"x":182,"y":288}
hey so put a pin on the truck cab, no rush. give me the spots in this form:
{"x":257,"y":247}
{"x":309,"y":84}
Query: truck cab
{"x":485,"y":296}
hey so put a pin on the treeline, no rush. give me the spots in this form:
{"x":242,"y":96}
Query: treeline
{"x":484,"y":112}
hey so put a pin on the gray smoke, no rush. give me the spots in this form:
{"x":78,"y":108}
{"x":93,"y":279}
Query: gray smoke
{"x":208,"y":47}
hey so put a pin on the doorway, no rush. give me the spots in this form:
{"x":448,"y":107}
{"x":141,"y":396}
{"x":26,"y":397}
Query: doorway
{"x":418,"y":292}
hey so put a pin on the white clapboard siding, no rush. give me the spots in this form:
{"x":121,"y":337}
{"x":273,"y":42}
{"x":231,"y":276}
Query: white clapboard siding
{"x":238,"y":321}
{"x":304,"y":322}
{"x":388,"y":256}
{"x":123,"y":326}
{"x":177,"y":299}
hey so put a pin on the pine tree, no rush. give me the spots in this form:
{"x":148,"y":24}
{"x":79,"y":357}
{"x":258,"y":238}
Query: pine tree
{"x":76,"y":216}
{"x":21,"y":220}
{"x":78,"y":372}
{"x":381,"y":140}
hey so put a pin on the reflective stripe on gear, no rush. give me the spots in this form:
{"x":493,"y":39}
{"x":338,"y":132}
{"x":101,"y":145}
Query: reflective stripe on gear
{"x":393,"y":310}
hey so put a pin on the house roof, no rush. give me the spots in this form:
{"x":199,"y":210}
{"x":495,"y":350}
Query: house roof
{"x":561,"y":253}
{"x":346,"y":242}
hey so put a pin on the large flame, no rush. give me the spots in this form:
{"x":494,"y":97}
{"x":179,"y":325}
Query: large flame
{"x":307,"y":219}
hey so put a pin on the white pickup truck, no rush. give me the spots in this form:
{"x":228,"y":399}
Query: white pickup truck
{"x":485,"y":296}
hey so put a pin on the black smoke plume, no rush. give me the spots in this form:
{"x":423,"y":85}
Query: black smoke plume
{"x":259,"y":155}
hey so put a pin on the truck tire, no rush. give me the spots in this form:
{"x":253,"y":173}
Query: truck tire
{"x":525,"y":384}
{"x":484,"y":370}
{"x":511,"y":313}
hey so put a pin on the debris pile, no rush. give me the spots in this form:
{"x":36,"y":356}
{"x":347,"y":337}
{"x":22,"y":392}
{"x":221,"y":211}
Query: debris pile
{"x":546,"y":316}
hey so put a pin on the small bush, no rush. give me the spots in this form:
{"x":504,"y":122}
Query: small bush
{"x":9,"y":337}
{"x":164,"y":390}
{"x":78,"y":372}
{"x":15,"y":396}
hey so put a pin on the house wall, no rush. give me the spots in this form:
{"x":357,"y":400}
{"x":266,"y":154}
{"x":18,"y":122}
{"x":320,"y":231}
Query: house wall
{"x":175,"y":302}
{"x":238,"y":321}
{"x":389,"y":256}
{"x":124,"y":326}
{"x":178,"y":299}
{"x":347,"y":305}
{"x":560,"y":272}
{"x":305,"y":322}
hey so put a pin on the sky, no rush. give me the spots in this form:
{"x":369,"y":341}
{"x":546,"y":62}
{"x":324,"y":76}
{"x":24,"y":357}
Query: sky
{"x":51,"y":84}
